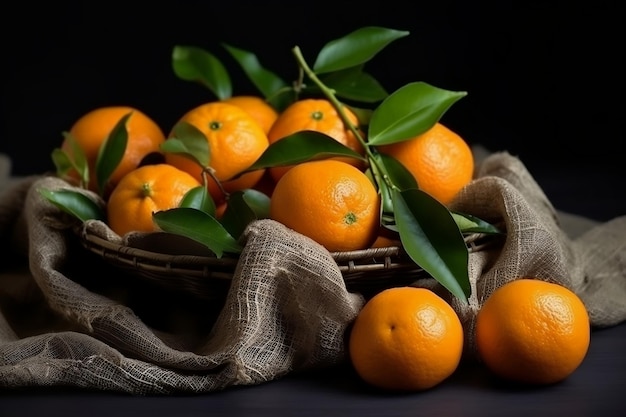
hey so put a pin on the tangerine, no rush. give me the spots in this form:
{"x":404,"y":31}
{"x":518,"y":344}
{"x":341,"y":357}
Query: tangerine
{"x":406,"y":339}
{"x":318,"y":115}
{"x":144,"y":191}
{"x":235,"y":140}
{"x":258,"y":108}
{"x":92,"y":129}
{"x":330,"y":201}
{"x":532,"y":331}
{"x":440,"y":160}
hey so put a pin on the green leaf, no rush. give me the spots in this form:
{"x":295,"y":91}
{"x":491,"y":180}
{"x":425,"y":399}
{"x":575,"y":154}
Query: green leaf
{"x":244,"y":206}
{"x":355,"y":48}
{"x":191,"y":63}
{"x":363,"y":115}
{"x":392,"y":171}
{"x":302,"y":146}
{"x":409,"y":111}
{"x":387,"y":217}
{"x":354,"y":84}
{"x":61,"y":161}
{"x":265,"y":81}
{"x":199,"y":198}
{"x":397,"y":173}
{"x":111,"y":152}
{"x":432,"y":239}
{"x":198,"y":226}
{"x":258,"y":201}
{"x":64,"y":161}
{"x":74,"y":203}
{"x":472,"y":224}
{"x":189,"y":141}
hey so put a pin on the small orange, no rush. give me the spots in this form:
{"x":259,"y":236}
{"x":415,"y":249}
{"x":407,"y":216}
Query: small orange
{"x":144,"y":191}
{"x":383,"y":241}
{"x":236,"y":141}
{"x":330,"y":201}
{"x":220,"y":209}
{"x":406,"y":339}
{"x":439,"y":159}
{"x":318,"y":115}
{"x":92,"y":129}
{"x":259,"y":109}
{"x":533,"y":331}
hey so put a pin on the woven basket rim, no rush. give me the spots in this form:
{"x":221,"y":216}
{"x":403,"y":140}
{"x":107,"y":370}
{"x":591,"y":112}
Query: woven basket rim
{"x":361,"y":260}
{"x":207,"y":277}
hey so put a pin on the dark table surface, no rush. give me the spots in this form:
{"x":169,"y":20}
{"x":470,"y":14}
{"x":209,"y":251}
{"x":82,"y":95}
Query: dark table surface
{"x":597,"y":388}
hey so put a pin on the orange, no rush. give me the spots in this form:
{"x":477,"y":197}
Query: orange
{"x":144,"y":191}
{"x":318,"y":115}
{"x":406,"y":339}
{"x":439,"y":159}
{"x":259,"y":109}
{"x":383,"y":241}
{"x":330,"y":201}
{"x":220,"y":209}
{"x":92,"y":129}
{"x":235,"y":140}
{"x":532,"y":331}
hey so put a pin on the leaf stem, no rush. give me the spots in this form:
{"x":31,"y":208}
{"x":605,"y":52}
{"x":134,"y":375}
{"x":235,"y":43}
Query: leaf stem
{"x":329,"y":93}
{"x":378,"y":170}
{"x":210,"y":172}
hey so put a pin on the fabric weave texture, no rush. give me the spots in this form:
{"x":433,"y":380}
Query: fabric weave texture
{"x":68,"y":319}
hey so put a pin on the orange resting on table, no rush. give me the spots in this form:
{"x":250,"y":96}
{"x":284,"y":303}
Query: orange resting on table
{"x":533,"y":331}
{"x":406,"y":339}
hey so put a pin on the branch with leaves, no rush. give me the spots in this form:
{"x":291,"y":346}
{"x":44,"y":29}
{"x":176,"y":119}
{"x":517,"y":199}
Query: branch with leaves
{"x":432,"y":235}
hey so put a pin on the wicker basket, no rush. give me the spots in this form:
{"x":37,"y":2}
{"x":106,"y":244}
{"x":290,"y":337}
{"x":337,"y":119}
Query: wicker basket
{"x":187,"y":266}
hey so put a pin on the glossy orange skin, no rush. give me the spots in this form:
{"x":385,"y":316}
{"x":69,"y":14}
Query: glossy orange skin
{"x":318,"y":115}
{"x":406,"y":339}
{"x":330,"y":201}
{"x":533,"y":331}
{"x":235,"y":140}
{"x":92,"y":129}
{"x":260,"y":110}
{"x":144,"y":191}
{"x":440,"y":160}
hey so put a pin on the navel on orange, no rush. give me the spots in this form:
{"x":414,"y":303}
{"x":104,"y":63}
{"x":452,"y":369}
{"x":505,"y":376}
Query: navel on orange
{"x":318,"y":115}
{"x":144,"y":191}
{"x":93,"y":128}
{"x":406,"y":339}
{"x":330,"y":201}
{"x":533,"y":331}
{"x":439,"y":159}
{"x":235,"y":140}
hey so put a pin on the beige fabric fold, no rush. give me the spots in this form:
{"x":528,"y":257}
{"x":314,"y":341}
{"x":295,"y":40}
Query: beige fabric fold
{"x":69,"y":318}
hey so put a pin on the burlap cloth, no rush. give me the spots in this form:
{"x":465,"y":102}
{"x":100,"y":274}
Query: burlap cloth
{"x":69,"y":319}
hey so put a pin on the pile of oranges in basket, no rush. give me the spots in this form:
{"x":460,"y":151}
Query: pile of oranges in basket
{"x":332,"y":201}
{"x":283,"y":159}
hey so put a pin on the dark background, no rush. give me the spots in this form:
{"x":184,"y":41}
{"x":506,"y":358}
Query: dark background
{"x":545,"y":81}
